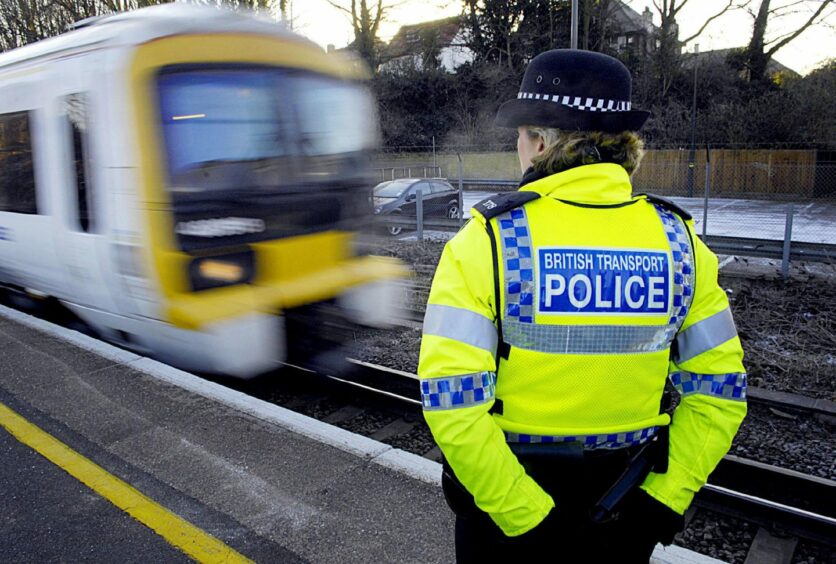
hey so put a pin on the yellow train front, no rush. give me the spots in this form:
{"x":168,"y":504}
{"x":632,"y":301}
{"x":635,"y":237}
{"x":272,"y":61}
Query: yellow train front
{"x":227,"y":162}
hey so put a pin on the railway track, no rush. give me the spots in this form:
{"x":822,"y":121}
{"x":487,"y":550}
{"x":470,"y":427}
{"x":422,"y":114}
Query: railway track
{"x":783,"y":504}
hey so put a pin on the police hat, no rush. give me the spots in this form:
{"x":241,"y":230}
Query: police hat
{"x":574,"y":90}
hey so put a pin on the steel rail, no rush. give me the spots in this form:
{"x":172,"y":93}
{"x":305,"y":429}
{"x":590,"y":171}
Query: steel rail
{"x":767,"y":513}
{"x":767,"y":248}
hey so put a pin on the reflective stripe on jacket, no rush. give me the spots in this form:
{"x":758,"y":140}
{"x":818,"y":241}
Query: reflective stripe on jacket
{"x":596,"y":287}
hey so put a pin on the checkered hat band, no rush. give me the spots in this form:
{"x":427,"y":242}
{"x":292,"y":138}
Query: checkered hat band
{"x":579,"y":102}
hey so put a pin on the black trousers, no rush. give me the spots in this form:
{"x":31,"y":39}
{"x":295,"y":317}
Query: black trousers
{"x":569,"y":534}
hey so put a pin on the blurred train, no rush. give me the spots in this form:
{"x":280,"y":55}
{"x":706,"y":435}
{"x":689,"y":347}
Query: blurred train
{"x":190,"y":183}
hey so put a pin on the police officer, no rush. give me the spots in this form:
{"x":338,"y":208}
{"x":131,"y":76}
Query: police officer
{"x":556,"y":317}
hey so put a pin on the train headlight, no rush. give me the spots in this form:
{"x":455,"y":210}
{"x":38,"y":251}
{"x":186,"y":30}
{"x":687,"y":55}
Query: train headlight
{"x":222,"y":270}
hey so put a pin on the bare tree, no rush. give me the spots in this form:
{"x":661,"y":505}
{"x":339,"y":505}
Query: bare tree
{"x":760,"y":51}
{"x":492,"y":26}
{"x":365,"y":16}
{"x":595,"y":14}
{"x":666,"y":59}
{"x":511,"y":32}
{"x":25,"y":21}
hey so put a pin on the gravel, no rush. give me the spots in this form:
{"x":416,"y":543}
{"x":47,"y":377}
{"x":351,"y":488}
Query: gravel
{"x":419,"y":440}
{"x":367,"y":423}
{"x":788,"y":331}
{"x":796,"y":441}
{"x":813,"y":553}
{"x":718,"y":536}
{"x":394,"y":348}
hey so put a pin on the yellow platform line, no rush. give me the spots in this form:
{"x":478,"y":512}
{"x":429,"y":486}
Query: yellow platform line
{"x":178,"y":532}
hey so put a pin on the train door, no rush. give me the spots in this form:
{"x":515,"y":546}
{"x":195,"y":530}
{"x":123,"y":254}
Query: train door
{"x":76,"y":124}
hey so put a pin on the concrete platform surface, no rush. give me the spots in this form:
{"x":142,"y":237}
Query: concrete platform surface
{"x":271,"y":484}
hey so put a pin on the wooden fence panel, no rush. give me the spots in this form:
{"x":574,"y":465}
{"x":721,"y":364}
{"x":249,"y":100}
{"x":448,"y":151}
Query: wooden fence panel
{"x":749,"y":173}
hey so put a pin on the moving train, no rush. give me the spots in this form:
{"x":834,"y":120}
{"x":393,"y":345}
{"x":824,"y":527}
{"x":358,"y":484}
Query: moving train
{"x":190,"y":183}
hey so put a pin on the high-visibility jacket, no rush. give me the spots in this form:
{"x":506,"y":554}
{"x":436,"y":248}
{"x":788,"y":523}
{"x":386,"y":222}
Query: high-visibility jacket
{"x":603,"y":297}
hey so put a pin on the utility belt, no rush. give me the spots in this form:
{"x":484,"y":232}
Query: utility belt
{"x":546,"y":463}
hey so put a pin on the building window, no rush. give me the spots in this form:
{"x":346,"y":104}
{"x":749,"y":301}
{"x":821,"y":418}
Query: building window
{"x":17,"y":171}
{"x":76,"y":110}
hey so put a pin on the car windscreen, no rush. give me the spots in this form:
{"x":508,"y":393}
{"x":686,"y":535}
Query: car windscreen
{"x":258,"y":128}
{"x":392,"y":189}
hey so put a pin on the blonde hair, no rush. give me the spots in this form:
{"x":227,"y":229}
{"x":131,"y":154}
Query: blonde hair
{"x":568,"y":149}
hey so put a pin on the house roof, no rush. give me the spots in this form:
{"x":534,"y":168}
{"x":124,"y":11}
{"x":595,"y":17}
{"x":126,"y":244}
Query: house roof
{"x":718,"y":57}
{"x":628,"y":20}
{"x":410,"y":38}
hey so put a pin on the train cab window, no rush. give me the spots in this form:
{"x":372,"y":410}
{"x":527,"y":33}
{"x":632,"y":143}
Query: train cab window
{"x":17,"y":171}
{"x":259,"y":131}
{"x":75,"y":108}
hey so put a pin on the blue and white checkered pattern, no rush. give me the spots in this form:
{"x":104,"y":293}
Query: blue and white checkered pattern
{"x":519,"y":266}
{"x":683,"y":273}
{"x":730,"y":386}
{"x":455,"y":392}
{"x":590,"y":442}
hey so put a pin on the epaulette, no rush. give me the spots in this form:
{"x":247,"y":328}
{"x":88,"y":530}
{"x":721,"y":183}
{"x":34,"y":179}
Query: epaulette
{"x":668,"y":205}
{"x":501,"y":203}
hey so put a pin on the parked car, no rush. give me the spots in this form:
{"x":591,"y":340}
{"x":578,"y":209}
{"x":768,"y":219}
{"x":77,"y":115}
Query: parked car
{"x":398,"y":197}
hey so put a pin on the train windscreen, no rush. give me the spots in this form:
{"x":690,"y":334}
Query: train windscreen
{"x":285,"y":143}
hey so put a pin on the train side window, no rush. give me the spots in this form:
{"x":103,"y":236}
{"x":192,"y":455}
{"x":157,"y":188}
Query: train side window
{"x":17,"y":171}
{"x":76,"y":108}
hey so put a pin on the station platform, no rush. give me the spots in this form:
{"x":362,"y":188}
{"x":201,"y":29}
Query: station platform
{"x":109,"y":456}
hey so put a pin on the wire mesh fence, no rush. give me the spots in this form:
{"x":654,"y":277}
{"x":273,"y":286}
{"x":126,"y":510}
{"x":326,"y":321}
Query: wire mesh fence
{"x":772,"y":203}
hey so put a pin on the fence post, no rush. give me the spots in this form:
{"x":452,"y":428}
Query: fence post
{"x":785,"y":263}
{"x":461,"y":190}
{"x":707,"y":190}
{"x":419,"y":213}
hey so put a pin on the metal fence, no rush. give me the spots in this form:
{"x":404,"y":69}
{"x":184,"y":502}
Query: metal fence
{"x":780,"y":211}
{"x":417,"y":171}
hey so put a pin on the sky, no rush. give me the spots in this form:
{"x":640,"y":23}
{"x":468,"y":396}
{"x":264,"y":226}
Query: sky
{"x":325,"y":24}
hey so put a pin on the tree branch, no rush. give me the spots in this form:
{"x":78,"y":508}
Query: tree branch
{"x":658,"y":8}
{"x":714,"y":17}
{"x":674,"y":10}
{"x":798,"y":32}
{"x":774,"y":11}
{"x":339,"y":7}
